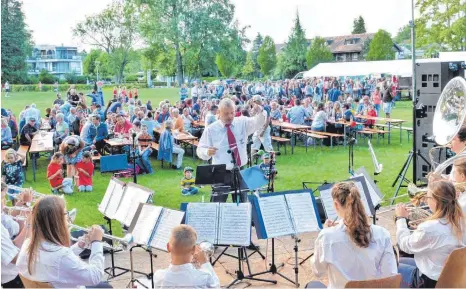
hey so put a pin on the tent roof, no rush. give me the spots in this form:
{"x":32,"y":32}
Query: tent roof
{"x":397,"y":67}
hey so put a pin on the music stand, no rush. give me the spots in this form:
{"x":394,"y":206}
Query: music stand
{"x":210,"y":174}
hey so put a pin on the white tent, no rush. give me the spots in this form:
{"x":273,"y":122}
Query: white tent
{"x":396,"y":67}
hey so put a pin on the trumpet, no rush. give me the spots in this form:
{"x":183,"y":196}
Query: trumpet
{"x":119,"y":243}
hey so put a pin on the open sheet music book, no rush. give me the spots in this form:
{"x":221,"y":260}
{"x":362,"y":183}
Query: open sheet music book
{"x":286,"y":213}
{"x":152,"y":225}
{"x":112,"y":198}
{"x":132,"y":196}
{"x":327,"y":200}
{"x":374,"y":191}
{"x":221,"y":223}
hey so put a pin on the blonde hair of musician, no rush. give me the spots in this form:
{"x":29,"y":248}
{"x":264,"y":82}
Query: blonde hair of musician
{"x":459,"y":171}
{"x":49,"y":223}
{"x":441,"y":198}
{"x":347,"y":202}
{"x":182,"y":244}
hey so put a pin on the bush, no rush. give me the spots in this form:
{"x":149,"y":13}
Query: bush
{"x":64,"y":86}
{"x":131,"y":78}
{"x":46,"y":77}
{"x":71,"y":77}
{"x":81,"y":79}
{"x":62,"y":81}
{"x":210,"y":78}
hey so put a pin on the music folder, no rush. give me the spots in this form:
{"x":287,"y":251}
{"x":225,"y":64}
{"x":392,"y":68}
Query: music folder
{"x":285,"y":213}
{"x":374,"y":191}
{"x":327,"y":200}
{"x":112,"y":198}
{"x":220,"y":223}
{"x":152,"y":225}
{"x":133,"y":195}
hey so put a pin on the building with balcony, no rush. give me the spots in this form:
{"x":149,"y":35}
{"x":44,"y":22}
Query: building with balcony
{"x":58,"y":60}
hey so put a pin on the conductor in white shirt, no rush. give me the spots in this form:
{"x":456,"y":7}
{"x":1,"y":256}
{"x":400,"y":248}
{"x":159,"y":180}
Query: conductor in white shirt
{"x":47,"y":256}
{"x":434,"y":239}
{"x":181,"y":272}
{"x":352,"y":248}
{"x":229,"y":134}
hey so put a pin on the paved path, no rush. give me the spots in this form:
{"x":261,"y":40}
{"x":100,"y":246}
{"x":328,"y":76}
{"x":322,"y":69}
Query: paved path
{"x":226,"y":266}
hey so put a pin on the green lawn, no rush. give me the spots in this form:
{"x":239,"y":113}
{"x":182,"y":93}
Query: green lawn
{"x":315,"y":165}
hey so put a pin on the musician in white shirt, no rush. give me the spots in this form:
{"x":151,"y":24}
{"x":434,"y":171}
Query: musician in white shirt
{"x":434,"y":239}
{"x":181,"y":272}
{"x":229,"y":133}
{"x":47,"y":256}
{"x":352,"y":248}
{"x":10,"y":247}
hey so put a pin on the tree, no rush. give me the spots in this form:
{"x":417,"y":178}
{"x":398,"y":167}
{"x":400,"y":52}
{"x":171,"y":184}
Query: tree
{"x":294,"y":53}
{"x":318,"y":53}
{"x":404,"y":34}
{"x":231,"y":57}
{"x":89,"y":62}
{"x":442,"y":24}
{"x":191,"y":28}
{"x":256,"y":45}
{"x":46,"y":77}
{"x":114,"y":30}
{"x":16,"y":42}
{"x":359,"y":25}
{"x":267,"y":58}
{"x":381,"y":47}
{"x":248,"y":69}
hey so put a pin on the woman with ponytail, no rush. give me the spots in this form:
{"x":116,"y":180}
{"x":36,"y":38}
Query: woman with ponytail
{"x":351,"y":248}
{"x":434,"y":239}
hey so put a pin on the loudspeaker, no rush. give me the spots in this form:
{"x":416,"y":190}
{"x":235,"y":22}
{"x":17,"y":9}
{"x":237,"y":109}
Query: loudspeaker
{"x":431,"y":79}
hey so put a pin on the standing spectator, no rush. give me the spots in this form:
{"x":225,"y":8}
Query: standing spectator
{"x":387,"y":99}
{"x":33,"y":112}
{"x":219,"y":90}
{"x":12,"y":125}
{"x":7,"y":88}
{"x":40,"y":85}
{"x":136,"y":93}
{"x":55,"y":86}
{"x":73,"y":97}
{"x":167,"y":147}
{"x":7,"y":139}
{"x":183,"y":92}
{"x":85,"y":170}
{"x":377,"y":100}
{"x":12,"y":172}
{"x":334,"y":94}
{"x":195,"y":92}
{"x":149,"y":105}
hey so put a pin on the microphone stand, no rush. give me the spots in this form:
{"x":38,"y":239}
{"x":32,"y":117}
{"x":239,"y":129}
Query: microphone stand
{"x":270,"y":186}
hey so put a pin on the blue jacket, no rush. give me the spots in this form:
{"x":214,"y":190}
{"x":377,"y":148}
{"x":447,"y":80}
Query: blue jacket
{"x":101,"y":132}
{"x":166,"y":143}
{"x":220,"y":89}
{"x":95,"y":98}
{"x":163,"y":117}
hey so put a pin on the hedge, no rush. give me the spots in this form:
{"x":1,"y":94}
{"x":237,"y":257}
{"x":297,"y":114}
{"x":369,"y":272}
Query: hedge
{"x":65,"y":87}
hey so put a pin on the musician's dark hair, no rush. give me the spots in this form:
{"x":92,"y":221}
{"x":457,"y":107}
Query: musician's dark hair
{"x":462,"y":134}
{"x":447,"y":207}
{"x":48,"y":224}
{"x":357,"y":224}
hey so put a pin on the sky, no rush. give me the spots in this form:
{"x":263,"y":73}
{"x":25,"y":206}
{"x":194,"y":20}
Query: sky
{"x":53,"y":20}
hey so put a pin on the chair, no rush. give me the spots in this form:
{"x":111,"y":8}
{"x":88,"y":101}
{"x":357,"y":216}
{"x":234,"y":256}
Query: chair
{"x":34,"y":284}
{"x":453,"y":274}
{"x":389,"y":282}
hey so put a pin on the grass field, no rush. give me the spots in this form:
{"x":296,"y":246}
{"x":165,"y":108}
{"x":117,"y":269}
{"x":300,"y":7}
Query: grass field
{"x":316,"y":165}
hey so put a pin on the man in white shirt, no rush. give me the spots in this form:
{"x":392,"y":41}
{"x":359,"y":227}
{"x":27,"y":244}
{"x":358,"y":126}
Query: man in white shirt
{"x":228,"y":137}
{"x":195,"y":91}
{"x":181,"y":272}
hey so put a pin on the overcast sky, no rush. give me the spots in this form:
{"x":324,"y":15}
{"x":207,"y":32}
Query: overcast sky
{"x":52,"y":20}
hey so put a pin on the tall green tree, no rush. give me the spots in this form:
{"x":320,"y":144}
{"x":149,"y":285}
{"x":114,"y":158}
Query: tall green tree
{"x":194,"y":29}
{"x":256,"y":45}
{"x":231,"y":57}
{"x":114,"y":30}
{"x":359,"y":25}
{"x":89,"y":64}
{"x":381,"y":47}
{"x":403,"y":34}
{"x":294,"y":53}
{"x":248,"y":69}
{"x":16,"y":42}
{"x":267,"y":58}
{"x":318,"y":53}
{"x":442,"y":24}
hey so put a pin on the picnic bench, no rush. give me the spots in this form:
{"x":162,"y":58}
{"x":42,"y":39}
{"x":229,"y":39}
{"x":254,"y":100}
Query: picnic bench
{"x":279,"y":141}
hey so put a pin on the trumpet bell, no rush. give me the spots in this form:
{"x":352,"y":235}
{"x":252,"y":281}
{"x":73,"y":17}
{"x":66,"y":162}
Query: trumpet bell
{"x":450,"y":112}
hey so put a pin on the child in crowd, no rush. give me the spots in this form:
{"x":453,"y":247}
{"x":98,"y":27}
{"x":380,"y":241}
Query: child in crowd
{"x":12,"y":172}
{"x":265,"y":166}
{"x":187,"y":183}
{"x":373,"y":113}
{"x":347,"y":114}
{"x":85,"y":170}
{"x":55,"y":175}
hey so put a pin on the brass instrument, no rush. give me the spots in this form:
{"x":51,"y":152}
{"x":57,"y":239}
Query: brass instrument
{"x":119,"y":243}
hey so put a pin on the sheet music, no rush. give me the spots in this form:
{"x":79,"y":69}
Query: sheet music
{"x":374,"y":196}
{"x":203,"y":217}
{"x":363,"y":198}
{"x":133,"y":196}
{"x":145,"y":224}
{"x":115,"y":200}
{"x":235,"y":224}
{"x":327,"y":202}
{"x":275,"y":216}
{"x":302,"y":212}
{"x":108,"y":193}
{"x":169,"y":220}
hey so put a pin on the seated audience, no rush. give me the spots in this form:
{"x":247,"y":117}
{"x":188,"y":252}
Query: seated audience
{"x":85,"y":170}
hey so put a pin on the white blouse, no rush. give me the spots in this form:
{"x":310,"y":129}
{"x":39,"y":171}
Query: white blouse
{"x":336,"y":254}
{"x":431,"y":243}
{"x":187,"y":276}
{"x":62,"y":267}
